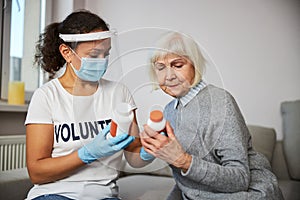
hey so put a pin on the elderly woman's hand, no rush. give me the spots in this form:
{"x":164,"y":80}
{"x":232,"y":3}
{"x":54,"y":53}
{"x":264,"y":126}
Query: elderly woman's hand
{"x":165,"y":147}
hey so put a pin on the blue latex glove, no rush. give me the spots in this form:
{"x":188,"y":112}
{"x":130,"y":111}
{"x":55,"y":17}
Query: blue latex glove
{"x":147,"y":156}
{"x":101,"y":147}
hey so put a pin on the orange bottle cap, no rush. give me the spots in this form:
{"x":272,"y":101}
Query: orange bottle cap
{"x":156,"y":116}
{"x":113,"y":128}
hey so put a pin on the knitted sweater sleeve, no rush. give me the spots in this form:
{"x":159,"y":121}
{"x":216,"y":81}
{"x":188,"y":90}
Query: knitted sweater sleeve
{"x":229,"y":172}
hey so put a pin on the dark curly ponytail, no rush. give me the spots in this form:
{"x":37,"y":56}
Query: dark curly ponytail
{"x":47,"y":48}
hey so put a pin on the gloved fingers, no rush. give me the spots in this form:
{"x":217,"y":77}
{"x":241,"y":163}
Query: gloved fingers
{"x":85,"y":155}
{"x":118,"y":138}
{"x":106,"y":130}
{"x":147,"y":146}
{"x":145,"y":151}
{"x":142,"y":150}
{"x":145,"y":155}
{"x":163,"y":133}
{"x":125,"y":143}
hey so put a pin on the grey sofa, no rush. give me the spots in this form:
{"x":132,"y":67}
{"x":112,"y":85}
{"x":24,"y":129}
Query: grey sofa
{"x":155,"y":180}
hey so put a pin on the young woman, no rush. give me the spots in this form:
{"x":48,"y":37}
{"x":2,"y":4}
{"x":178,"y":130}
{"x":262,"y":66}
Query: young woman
{"x":68,"y":153}
{"x":207,"y":144}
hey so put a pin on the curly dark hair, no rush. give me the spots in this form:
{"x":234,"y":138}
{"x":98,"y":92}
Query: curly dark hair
{"x":47,"y":54}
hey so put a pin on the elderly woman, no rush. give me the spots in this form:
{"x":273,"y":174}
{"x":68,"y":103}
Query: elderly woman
{"x":207,"y":143}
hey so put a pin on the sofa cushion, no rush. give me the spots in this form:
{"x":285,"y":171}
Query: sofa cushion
{"x":290,"y":111}
{"x":145,"y":187}
{"x":263,"y":140}
{"x":290,"y":189}
{"x":14,"y":184}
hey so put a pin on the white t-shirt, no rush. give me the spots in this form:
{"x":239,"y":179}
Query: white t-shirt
{"x":77,"y":120}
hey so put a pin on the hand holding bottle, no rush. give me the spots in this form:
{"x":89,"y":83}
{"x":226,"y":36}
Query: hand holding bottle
{"x":147,"y":156}
{"x":157,"y":122}
{"x":164,"y":147}
{"x":100,"y":146}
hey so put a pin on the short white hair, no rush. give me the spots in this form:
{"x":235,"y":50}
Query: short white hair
{"x":181,"y":45}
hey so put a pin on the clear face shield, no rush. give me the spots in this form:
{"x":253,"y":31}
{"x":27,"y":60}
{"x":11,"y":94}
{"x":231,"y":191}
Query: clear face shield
{"x":97,"y":55}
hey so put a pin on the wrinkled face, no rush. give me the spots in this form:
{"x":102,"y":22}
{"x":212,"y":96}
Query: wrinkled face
{"x":175,"y":74}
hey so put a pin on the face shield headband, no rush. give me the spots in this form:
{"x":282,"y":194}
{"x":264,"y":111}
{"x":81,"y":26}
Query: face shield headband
{"x":84,"y":37}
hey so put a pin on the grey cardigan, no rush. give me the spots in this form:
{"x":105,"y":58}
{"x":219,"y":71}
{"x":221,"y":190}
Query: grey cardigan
{"x":224,"y":165}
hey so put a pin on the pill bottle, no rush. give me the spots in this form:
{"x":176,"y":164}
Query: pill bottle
{"x":122,"y":117}
{"x":156,"y":119}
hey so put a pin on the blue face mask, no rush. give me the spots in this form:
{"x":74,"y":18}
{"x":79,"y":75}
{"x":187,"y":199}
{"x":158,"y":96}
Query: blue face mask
{"x":91,"y":69}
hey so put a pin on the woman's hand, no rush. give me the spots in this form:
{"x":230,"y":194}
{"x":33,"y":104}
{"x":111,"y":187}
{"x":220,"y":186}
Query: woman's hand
{"x":101,"y":147}
{"x":166,"y":148}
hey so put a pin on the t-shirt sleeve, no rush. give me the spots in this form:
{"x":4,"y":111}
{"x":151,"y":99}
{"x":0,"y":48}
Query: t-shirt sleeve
{"x":128,"y":97}
{"x":39,"y":110}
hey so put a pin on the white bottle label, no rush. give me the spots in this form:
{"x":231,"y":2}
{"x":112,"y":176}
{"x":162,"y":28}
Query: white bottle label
{"x":121,"y":120}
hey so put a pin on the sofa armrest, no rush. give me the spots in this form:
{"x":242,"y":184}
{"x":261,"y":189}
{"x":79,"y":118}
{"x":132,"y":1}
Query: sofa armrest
{"x":290,"y":111}
{"x":263,"y":140}
{"x":279,"y":165}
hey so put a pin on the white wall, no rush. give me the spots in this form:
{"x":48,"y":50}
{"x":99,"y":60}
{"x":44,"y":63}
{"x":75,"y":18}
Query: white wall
{"x":254,"y":44}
